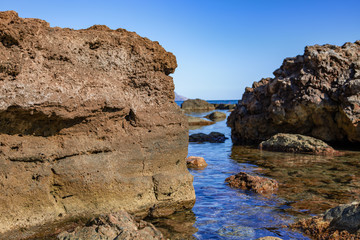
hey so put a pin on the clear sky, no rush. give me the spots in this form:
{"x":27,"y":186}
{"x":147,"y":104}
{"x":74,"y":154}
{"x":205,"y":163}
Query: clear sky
{"x":221,"y":46}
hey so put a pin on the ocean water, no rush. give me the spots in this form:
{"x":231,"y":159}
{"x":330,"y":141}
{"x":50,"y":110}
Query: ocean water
{"x":308,"y":185}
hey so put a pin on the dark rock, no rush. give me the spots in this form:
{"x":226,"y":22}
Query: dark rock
{"x":120,"y":225}
{"x":88,"y":125}
{"x":213,"y":137}
{"x":341,"y":222}
{"x":254,"y":183}
{"x":197,"y":105}
{"x":216,"y":116}
{"x":223,"y":106}
{"x":296,"y":143}
{"x":196,"y":162}
{"x":316,"y":94}
{"x":344,"y":217}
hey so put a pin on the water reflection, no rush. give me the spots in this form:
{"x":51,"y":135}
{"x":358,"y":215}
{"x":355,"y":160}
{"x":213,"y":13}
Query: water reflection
{"x":308,"y":183}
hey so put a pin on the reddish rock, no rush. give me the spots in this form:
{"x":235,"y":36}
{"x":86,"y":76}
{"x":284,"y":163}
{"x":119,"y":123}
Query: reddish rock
{"x":316,"y":94}
{"x":88,"y":125}
{"x":196,"y":162}
{"x":254,"y":183}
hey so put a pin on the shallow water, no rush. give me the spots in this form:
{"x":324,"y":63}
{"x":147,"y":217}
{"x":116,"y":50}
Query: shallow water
{"x":308,"y":185}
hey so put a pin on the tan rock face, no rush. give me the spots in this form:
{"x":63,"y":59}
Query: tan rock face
{"x":88,"y":124}
{"x":316,"y":94}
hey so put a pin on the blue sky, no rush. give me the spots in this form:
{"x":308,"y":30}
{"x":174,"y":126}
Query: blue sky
{"x":221,"y":46}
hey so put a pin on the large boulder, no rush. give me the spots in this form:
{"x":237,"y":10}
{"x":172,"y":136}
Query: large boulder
{"x":88,"y":125}
{"x":296,"y":143}
{"x":316,"y":94}
{"x":197,"y":105}
{"x":197,"y":121}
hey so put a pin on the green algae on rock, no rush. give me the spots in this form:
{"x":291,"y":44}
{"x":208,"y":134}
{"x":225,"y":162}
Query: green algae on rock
{"x":296,"y":143}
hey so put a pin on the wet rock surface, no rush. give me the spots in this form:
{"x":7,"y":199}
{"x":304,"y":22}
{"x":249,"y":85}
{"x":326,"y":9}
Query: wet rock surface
{"x":197,"y":105}
{"x":246,"y":181}
{"x":315,"y":94}
{"x":297,"y":143}
{"x":213,"y":137}
{"x":120,"y":225}
{"x":88,"y":125}
{"x":216,"y":116}
{"x":196,"y":162}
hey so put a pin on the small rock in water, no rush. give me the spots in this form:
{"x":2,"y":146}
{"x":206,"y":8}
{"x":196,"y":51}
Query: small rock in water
{"x":296,"y":143}
{"x":254,"y":183}
{"x":223,"y":106}
{"x":216,"y":116}
{"x":197,"y":105}
{"x":120,"y":225}
{"x":196,"y":162}
{"x":197,"y":121}
{"x":213,"y":137}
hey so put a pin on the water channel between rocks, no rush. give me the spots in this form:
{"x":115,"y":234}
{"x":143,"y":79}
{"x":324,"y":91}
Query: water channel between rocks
{"x":308,"y":185}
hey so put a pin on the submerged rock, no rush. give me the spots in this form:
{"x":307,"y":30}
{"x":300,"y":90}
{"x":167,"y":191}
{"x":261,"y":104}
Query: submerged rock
{"x":197,"y":105}
{"x":316,"y":94}
{"x":196,"y":162}
{"x":213,"y":137}
{"x":120,"y":225}
{"x":254,"y":183}
{"x":296,"y":143}
{"x":88,"y":125}
{"x":216,"y":116}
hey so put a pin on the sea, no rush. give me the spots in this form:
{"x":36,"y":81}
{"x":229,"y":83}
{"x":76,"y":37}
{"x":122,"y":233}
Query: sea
{"x":308,"y":185}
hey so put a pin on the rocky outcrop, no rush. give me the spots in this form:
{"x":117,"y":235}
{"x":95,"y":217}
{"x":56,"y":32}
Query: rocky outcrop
{"x":197,"y":105}
{"x":246,"y":181}
{"x":120,"y":225}
{"x":316,"y":94}
{"x":196,"y":162}
{"x":216,"y":116}
{"x":213,"y":137}
{"x":88,"y":125}
{"x":296,"y":143}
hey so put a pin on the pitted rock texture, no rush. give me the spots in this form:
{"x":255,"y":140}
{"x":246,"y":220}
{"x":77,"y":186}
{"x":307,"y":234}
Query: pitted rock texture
{"x":316,"y":94}
{"x":88,"y":125}
{"x":120,"y":225}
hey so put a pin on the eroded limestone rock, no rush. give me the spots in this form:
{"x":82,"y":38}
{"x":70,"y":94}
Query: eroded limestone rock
{"x":316,"y":94}
{"x":88,"y":125}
